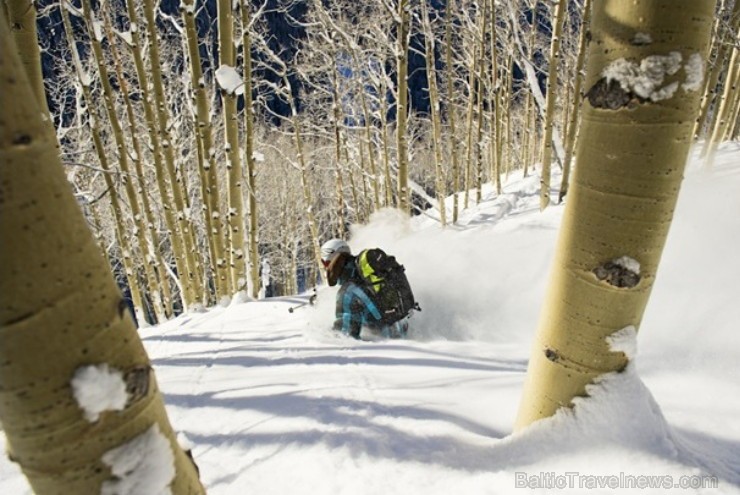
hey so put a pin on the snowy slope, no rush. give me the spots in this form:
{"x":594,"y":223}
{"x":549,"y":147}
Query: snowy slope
{"x":274,"y":402}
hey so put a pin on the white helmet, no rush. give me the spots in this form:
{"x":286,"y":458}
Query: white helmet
{"x":331,"y":248}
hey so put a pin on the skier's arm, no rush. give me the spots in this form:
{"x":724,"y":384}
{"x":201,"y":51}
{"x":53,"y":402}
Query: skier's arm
{"x":366,"y":303}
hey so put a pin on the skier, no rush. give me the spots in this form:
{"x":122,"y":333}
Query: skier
{"x":374,"y":293}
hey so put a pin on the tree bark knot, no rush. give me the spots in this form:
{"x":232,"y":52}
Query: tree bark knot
{"x":611,"y":96}
{"x":616,"y":275}
{"x":137,"y":383}
{"x":22,"y":139}
{"x":552,"y":355}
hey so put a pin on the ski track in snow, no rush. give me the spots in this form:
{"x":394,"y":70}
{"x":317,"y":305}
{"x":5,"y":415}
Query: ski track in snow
{"x":275,"y":402}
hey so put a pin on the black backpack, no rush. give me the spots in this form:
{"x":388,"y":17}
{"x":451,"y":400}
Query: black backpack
{"x":386,"y":283}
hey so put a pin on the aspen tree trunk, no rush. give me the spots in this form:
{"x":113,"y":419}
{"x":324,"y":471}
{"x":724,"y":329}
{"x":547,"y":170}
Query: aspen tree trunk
{"x":431,"y":62}
{"x":495,"y":171}
{"x":498,"y":129}
{"x":719,"y":107}
{"x":713,"y":118}
{"x":305,"y":184}
{"x":153,"y":128}
{"x":402,"y":61}
{"x":505,"y":144}
{"x":526,"y":133}
{"x":369,"y":143}
{"x":343,"y":157}
{"x":479,"y":134}
{"x":366,"y":202}
{"x":474,"y":83}
{"x":530,"y":116}
{"x":449,"y":15}
{"x":190,"y":277}
{"x":732,"y":97}
{"x":570,"y":140}
{"x":565,"y":101}
{"x":723,"y":47}
{"x":724,"y":110}
{"x":153,"y":241}
{"x":501,"y":104}
{"x":122,"y":154}
{"x":208,"y":172}
{"x":341,"y":222}
{"x":216,"y":293}
{"x":479,"y":105}
{"x":338,"y":153}
{"x":630,"y":160}
{"x":235,"y":218}
{"x":122,"y":233}
{"x":253,"y":226}
{"x":552,"y":84}
{"x":200,"y":287}
{"x":51,"y":331}
{"x":389,"y":200}
{"x":293,"y":278}
{"x":734,"y":128}
{"x":353,"y":189}
{"x":22,"y":21}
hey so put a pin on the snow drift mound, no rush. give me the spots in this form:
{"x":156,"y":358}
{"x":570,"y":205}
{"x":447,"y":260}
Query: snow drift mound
{"x":621,"y":415}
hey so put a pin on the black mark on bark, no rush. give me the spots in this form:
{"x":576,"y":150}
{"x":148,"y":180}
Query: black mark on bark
{"x":137,"y":383}
{"x":616,"y":275}
{"x":611,"y":96}
{"x":22,"y":139}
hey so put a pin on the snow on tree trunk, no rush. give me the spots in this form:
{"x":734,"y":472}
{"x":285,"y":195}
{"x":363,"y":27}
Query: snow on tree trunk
{"x":190,"y":278}
{"x":179,"y":247}
{"x":122,"y":234}
{"x":207,"y":163}
{"x":122,"y":155}
{"x":235,"y":197}
{"x":635,"y":136}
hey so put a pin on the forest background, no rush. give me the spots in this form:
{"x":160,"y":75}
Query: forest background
{"x":193,"y":198}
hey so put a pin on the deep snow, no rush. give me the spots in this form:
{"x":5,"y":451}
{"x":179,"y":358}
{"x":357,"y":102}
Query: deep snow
{"x":274,"y":402}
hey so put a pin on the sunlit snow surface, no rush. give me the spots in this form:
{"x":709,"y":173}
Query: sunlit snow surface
{"x":274,"y":403}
